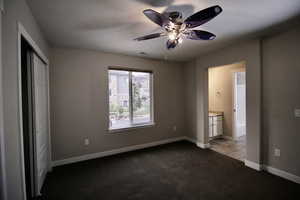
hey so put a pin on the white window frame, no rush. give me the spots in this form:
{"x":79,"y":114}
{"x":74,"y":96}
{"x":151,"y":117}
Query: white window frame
{"x":133,"y":125}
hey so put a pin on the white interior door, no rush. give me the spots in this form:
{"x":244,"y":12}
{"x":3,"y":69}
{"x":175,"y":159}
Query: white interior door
{"x":41,"y":126}
{"x":239,"y":103}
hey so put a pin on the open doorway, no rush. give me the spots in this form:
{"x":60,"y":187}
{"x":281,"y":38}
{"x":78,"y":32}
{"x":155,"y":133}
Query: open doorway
{"x":227,"y":109}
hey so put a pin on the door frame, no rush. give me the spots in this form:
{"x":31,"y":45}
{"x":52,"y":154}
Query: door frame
{"x":3,"y":182}
{"x":206,"y":99}
{"x":23,"y":33}
{"x":234,"y":136}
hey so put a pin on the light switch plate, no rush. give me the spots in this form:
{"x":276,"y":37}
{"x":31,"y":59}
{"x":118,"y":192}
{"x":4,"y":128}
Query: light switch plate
{"x":86,"y":141}
{"x":277,"y":152}
{"x":297,"y":112}
{"x":174,"y":128}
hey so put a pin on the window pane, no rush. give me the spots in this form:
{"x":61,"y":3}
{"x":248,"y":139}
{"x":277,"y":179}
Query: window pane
{"x":119,"y":99}
{"x":141,"y":97}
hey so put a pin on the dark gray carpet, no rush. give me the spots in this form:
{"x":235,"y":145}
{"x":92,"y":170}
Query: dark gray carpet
{"x":169,"y":172}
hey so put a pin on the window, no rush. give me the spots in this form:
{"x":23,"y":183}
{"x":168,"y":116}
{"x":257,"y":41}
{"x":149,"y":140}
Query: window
{"x":130,"y":99}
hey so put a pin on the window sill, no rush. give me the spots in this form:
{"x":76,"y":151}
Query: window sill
{"x":130,"y":128}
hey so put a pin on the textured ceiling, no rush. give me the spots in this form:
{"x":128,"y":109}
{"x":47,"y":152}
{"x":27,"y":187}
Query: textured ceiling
{"x":111,"y":25}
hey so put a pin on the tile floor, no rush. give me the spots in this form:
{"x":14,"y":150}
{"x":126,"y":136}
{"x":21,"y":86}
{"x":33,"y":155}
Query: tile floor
{"x":232,"y":148}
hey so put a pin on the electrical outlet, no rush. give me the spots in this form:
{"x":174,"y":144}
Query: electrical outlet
{"x":86,"y":142}
{"x":297,"y":112}
{"x":277,"y":152}
{"x":174,"y":128}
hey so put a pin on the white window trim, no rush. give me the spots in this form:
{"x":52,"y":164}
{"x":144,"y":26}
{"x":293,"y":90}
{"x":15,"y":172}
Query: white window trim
{"x":133,"y":126}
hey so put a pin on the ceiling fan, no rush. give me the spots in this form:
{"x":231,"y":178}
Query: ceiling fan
{"x":177,"y":29}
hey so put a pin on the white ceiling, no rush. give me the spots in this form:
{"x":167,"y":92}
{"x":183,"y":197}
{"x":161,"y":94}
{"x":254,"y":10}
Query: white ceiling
{"x":111,"y":25}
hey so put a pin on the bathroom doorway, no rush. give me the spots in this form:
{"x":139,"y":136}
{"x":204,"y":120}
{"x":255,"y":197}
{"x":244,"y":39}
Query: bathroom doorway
{"x":227,"y":109}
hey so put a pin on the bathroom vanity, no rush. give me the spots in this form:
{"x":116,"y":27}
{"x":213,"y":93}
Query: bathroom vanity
{"x":215,"y":124}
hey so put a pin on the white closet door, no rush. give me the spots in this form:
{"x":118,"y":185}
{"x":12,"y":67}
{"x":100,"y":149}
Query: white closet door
{"x":41,"y":133}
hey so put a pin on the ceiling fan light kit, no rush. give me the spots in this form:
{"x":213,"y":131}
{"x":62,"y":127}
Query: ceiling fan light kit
{"x":177,"y":29}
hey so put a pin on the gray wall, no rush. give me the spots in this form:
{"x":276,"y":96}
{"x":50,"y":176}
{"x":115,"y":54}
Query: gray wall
{"x":250,"y":53}
{"x":79,"y":102}
{"x":272,"y":70}
{"x":190,"y":99}
{"x":281,"y":95}
{"x":15,"y":10}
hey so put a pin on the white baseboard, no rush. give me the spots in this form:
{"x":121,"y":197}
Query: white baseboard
{"x":203,"y":146}
{"x":192,"y":140}
{"x":282,"y":174}
{"x":272,"y":170}
{"x":114,"y":151}
{"x":253,"y":165}
{"x":199,"y":144}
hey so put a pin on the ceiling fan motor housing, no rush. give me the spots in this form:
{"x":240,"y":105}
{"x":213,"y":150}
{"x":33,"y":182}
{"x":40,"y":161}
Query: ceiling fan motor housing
{"x":174,"y":16}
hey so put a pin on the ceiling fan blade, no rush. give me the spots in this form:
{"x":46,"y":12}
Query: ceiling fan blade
{"x":202,"y":16}
{"x":156,"y":17}
{"x":171,"y":44}
{"x":199,"y":35}
{"x":150,"y":36}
